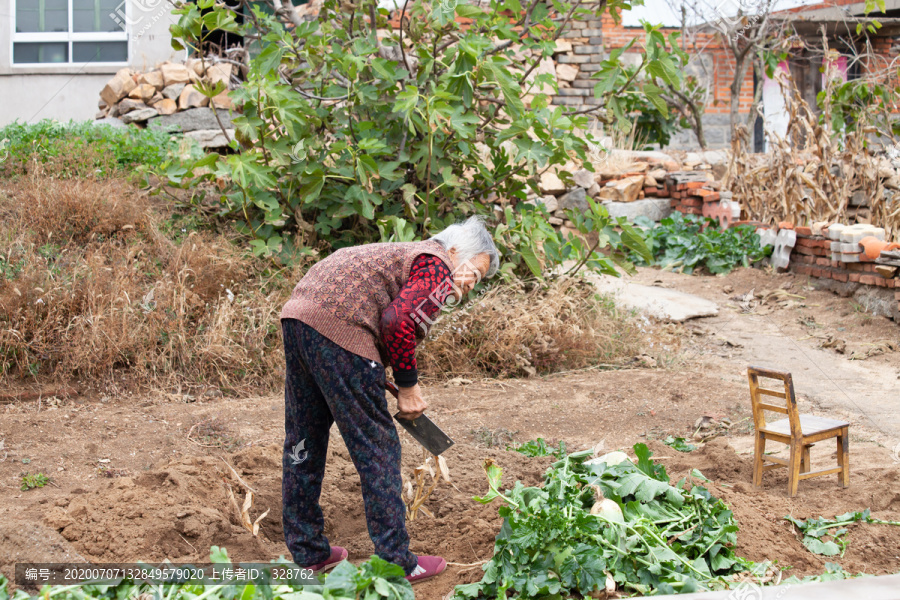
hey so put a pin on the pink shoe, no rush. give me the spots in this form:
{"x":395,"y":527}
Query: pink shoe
{"x":428,"y":567}
{"x":337,"y":555}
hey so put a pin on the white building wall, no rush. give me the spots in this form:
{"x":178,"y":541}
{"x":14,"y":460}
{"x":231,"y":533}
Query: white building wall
{"x":63,"y":92}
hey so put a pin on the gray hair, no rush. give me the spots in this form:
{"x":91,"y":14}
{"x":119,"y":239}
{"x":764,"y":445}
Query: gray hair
{"x":470,"y":238}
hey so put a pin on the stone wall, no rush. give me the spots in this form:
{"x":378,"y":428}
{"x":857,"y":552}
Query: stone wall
{"x":581,"y":50}
{"x":716,"y":130}
{"x":583,"y":42}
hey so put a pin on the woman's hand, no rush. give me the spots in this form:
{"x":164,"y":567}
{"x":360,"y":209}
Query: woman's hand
{"x":410,"y":402}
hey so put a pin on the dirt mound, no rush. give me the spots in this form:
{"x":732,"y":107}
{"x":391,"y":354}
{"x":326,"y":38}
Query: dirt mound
{"x":174,"y":512}
{"x":179,"y":510}
{"x":32,"y":543}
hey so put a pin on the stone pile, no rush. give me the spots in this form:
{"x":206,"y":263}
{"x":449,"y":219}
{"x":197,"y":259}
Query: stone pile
{"x":170,"y":88}
{"x":167,"y":96}
{"x":642,"y":185}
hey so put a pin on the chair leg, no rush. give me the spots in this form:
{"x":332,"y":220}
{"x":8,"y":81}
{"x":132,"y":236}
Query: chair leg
{"x":758,"y":458}
{"x":843,"y":456}
{"x":804,"y":459}
{"x":794,"y":468}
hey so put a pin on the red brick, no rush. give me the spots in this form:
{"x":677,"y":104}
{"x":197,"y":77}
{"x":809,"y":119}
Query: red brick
{"x":707,"y":195}
{"x":697,"y":202}
{"x":803,"y":249}
{"x":823,"y":262}
{"x":691,"y":185}
{"x":803,"y":231}
{"x":867,"y":279}
{"x":838,"y":276}
{"x":810,"y":260}
{"x":897,"y":295}
{"x":803,"y":269}
{"x":662,"y":192}
{"x":806,"y":242}
{"x":824,"y":243}
{"x":854,"y":277}
{"x":785,"y":225}
{"x":836,"y":264}
{"x":676,"y":194}
{"x":880,"y":281}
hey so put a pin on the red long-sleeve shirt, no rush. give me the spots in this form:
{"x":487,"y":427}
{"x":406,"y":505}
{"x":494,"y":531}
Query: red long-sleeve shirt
{"x":408,"y":318}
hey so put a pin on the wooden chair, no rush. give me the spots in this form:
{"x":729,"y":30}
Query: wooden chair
{"x":798,"y":431}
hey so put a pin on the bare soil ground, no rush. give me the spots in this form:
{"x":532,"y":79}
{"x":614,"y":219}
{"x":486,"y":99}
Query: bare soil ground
{"x":146,"y":478}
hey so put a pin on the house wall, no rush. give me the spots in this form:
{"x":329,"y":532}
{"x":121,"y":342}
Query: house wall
{"x":67,"y":92}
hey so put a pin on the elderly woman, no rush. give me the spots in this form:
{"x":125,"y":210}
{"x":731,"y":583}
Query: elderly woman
{"x":352,"y":314}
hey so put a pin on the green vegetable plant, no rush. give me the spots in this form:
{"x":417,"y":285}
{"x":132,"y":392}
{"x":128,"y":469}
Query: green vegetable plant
{"x":679,"y":443}
{"x":539,"y":447}
{"x":681,"y":242}
{"x":33,"y":480}
{"x":352,"y":132}
{"x":828,"y":536}
{"x":671,"y":539}
{"x":833,"y":572}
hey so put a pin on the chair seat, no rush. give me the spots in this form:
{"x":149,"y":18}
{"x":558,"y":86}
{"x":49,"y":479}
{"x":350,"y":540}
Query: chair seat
{"x":809,"y":425}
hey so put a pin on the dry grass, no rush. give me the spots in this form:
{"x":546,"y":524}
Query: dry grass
{"x":89,"y":288}
{"x":511,"y":332}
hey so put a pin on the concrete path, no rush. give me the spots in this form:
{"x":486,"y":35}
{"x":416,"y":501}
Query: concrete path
{"x":662,"y":303}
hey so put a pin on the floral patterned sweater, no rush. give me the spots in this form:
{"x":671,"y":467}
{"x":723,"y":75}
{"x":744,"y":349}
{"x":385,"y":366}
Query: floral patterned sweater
{"x":408,"y":318}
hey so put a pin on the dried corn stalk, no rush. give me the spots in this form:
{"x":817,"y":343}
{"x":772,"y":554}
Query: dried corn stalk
{"x":243,"y":513}
{"x":811,"y":173}
{"x":433,"y":468}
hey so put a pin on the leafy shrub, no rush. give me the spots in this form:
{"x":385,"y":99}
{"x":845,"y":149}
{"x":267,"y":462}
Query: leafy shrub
{"x":352,"y":132}
{"x":71,"y":150}
{"x":688,"y":242}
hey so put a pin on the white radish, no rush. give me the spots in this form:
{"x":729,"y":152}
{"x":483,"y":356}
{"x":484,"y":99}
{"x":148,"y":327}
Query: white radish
{"x":609,"y":510}
{"x":610,"y":458}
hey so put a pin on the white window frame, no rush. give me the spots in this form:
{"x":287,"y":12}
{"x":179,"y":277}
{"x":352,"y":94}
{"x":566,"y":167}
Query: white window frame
{"x":69,"y":37}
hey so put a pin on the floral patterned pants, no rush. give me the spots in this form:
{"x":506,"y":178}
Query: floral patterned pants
{"x":327,"y":384}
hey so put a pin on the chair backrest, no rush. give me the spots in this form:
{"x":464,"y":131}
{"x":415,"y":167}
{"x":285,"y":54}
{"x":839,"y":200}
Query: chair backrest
{"x":789,"y":406}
